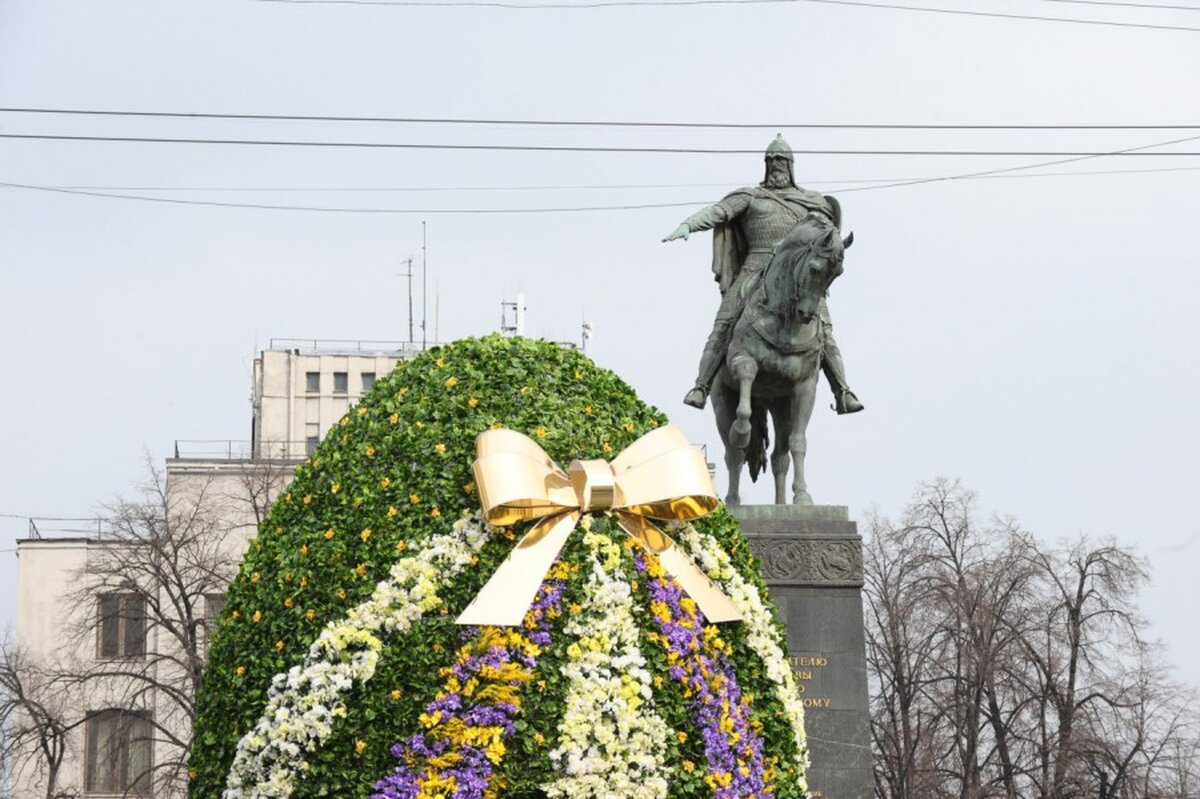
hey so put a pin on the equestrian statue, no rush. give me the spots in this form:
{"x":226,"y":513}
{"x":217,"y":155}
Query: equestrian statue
{"x":776,"y":249}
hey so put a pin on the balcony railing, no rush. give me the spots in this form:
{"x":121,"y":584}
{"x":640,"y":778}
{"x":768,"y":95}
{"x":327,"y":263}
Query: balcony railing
{"x":332,"y":346}
{"x":233,"y":449}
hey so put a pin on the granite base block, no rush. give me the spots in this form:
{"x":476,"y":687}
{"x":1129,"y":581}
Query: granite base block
{"x":812,"y":562}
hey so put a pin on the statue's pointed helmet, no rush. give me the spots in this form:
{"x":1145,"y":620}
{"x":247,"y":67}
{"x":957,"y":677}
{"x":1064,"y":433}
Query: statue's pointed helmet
{"x":779,"y":149}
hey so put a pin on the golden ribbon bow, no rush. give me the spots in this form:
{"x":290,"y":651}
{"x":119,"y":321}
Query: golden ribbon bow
{"x":660,"y":476}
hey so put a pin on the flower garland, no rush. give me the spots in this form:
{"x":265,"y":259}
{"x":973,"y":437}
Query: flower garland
{"x":612,"y":742}
{"x":697,"y":658}
{"x":467,"y":722}
{"x":762,"y":635}
{"x":303,"y":702}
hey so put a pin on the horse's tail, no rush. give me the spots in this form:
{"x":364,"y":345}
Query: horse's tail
{"x":756,"y":450}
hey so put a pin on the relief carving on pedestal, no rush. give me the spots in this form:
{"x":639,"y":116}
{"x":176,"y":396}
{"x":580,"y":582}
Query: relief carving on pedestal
{"x":788,"y":560}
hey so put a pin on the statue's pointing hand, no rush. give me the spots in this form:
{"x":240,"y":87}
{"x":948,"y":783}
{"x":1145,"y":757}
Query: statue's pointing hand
{"x":680,"y":232}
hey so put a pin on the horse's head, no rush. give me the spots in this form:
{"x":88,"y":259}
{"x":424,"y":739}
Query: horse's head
{"x":804,"y":265}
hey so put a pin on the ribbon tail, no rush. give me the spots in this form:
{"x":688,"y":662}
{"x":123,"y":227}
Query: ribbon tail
{"x":712,"y":602}
{"x":507,"y":595}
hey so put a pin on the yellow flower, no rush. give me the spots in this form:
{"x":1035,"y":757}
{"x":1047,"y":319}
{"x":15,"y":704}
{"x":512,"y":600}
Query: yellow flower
{"x":629,"y":427}
{"x":304,"y":582}
{"x":361,"y":570}
{"x":578,"y":375}
{"x":392,"y":511}
{"x":341,"y":593}
{"x":304,"y":549}
{"x":385,"y":482}
{"x":257,"y":617}
{"x":397,"y":693}
{"x":437,"y":647}
{"x":310,"y":614}
{"x":413,"y":499}
{"x":689,"y":766}
{"x":539,"y":739}
{"x":279,"y":646}
{"x":336,"y":487}
{"x":473,"y":402}
{"x":524,"y":390}
{"x":365,"y":534}
{"x":540,"y":432}
{"x":435,"y":513}
{"x":394,"y":418}
{"x":362,"y":411}
{"x":682,"y":737}
{"x":420,"y":425}
{"x":496,"y":425}
{"x":308,"y":499}
{"x":439,"y":448}
{"x":345,"y":420}
{"x":469,"y":488}
{"x":587,"y":409}
{"x":401,"y":546}
{"x":606,"y":447}
{"x":451,"y":382}
{"x":241,"y":671}
{"x":370,"y":452}
{"x":329,"y":534}
{"x":574,"y":608}
{"x":287,"y":603}
{"x":254,"y":578}
{"x":440,"y":362}
{"x":359,"y":746}
{"x":192,"y":774}
{"x":237,"y":614}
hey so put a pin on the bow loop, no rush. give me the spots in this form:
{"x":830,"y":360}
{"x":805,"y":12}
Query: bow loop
{"x":660,"y":476}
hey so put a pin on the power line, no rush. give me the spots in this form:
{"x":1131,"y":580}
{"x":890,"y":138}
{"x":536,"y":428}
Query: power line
{"x":572,"y":187}
{"x":580,"y":122}
{"x":592,"y":4}
{"x":995,"y":173}
{"x":565,"y":148}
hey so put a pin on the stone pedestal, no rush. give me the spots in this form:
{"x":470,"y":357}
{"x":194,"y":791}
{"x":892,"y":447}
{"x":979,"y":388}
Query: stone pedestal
{"x":812,"y":562}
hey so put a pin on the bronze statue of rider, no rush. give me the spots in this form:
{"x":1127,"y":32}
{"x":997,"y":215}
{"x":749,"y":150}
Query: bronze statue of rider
{"x":747,"y":225}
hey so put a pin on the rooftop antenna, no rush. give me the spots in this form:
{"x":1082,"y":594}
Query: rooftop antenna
{"x":424,"y":289}
{"x":586,"y":331}
{"x":517,"y":328}
{"x":408,"y":273}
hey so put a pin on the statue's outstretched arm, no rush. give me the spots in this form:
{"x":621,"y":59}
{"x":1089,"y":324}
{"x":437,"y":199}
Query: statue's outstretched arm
{"x":710,"y":217}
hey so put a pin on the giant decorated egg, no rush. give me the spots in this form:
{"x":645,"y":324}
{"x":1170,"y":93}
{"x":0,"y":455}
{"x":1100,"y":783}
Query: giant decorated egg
{"x":339,"y":668}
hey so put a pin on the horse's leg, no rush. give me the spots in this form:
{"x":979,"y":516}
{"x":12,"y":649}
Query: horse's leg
{"x":804,"y":396}
{"x":744,"y":370}
{"x":735,"y":457}
{"x":781,"y":416}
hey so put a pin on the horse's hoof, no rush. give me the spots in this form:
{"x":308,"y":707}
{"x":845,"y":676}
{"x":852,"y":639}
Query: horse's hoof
{"x":739,"y":434}
{"x":733,"y":500}
{"x":802,"y":498}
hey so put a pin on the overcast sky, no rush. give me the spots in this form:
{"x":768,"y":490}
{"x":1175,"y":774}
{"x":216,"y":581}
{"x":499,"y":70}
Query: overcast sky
{"x":1033,"y":334}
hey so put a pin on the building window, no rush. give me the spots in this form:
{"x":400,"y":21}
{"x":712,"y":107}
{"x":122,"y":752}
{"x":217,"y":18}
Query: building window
{"x":213,"y":605}
{"x":368,"y":381}
{"x":312,"y":382}
{"x":341,"y":382}
{"x":310,"y":445}
{"x":118,"y":753}
{"x":121,"y":626}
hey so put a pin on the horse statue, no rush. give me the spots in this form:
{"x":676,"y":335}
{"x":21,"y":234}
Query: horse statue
{"x":774,"y":357}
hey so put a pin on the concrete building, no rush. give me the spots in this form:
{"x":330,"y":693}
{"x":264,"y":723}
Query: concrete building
{"x":85,"y":607}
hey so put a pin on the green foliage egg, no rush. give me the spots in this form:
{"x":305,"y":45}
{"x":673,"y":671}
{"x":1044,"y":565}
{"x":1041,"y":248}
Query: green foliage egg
{"x":393,"y":472}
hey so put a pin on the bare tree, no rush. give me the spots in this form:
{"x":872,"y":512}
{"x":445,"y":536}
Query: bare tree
{"x":1002,"y":667}
{"x":35,"y":722}
{"x":154,"y":582}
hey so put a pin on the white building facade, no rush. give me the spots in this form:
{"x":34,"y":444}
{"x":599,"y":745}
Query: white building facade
{"x":124,"y":649}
